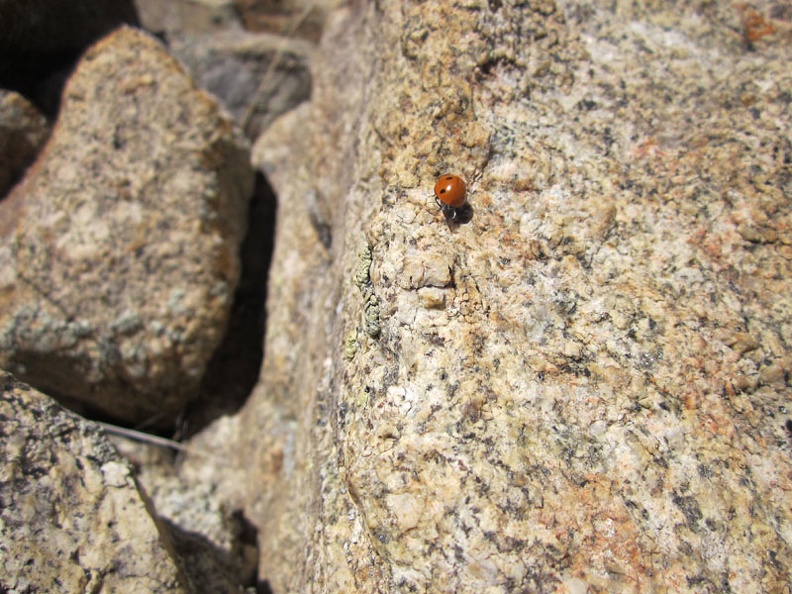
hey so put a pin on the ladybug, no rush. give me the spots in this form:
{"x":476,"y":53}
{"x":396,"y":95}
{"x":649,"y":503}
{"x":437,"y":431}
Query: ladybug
{"x":450,"y":194}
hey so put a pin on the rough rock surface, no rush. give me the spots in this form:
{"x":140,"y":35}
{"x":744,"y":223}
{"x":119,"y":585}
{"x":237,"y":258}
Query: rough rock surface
{"x":257,"y":76}
{"x":586,"y":387}
{"x":187,"y":17}
{"x":293,"y":18}
{"x":206,"y":534}
{"x":23,"y":130}
{"x":40,"y":40}
{"x":71,"y":516}
{"x":119,"y":249}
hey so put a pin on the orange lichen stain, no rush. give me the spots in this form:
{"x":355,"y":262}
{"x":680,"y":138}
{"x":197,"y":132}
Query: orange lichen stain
{"x":755,"y":25}
{"x":690,"y":400}
{"x":614,"y":554}
{"x":649,"y":151}
{"x":512,"y":240}
{"x":709,"y":424}
{"x":717,"y":423}
{"x":648,"y":148}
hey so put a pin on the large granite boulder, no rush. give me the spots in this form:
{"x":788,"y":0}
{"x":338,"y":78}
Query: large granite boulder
{"x":71,"y":516}
{"x":119,"y":249}
{"x":586,"y":387}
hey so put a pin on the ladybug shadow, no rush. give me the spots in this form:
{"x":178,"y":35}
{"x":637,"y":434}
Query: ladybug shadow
{"x":458,"y":216}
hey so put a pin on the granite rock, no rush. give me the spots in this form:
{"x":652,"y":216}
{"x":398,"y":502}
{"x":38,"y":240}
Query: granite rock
{"x":205,"y":532}
{"x":256,"y":76}
{"x":294,"y":18}
{"x":187,"y":17}
{"x":23,"y":131}
{"x":40,"y":40}
{"x":586,"y":387}
{"x":119,"y":249}
{"x":71,"y":516}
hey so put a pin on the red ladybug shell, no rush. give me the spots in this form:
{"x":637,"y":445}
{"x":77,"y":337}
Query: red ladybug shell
{"x":451,"y":190}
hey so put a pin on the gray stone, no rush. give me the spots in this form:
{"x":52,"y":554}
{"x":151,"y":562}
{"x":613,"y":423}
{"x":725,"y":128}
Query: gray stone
{"x":71,"y":516}
{"x":256,"y":76}
{"x":119,"y":249}
{"x":187,"y":17}
{"x":204,"y":530}
{"x":596,"y":401}
{"x":293,"y":18}
{"x":23,"y":130}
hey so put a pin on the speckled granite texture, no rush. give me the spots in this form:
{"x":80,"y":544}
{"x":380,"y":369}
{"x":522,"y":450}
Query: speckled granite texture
{"x":586,"y":387}
{"x":23,"y":130}
{"x":119,"y":248}
{"x":71,"y":516}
